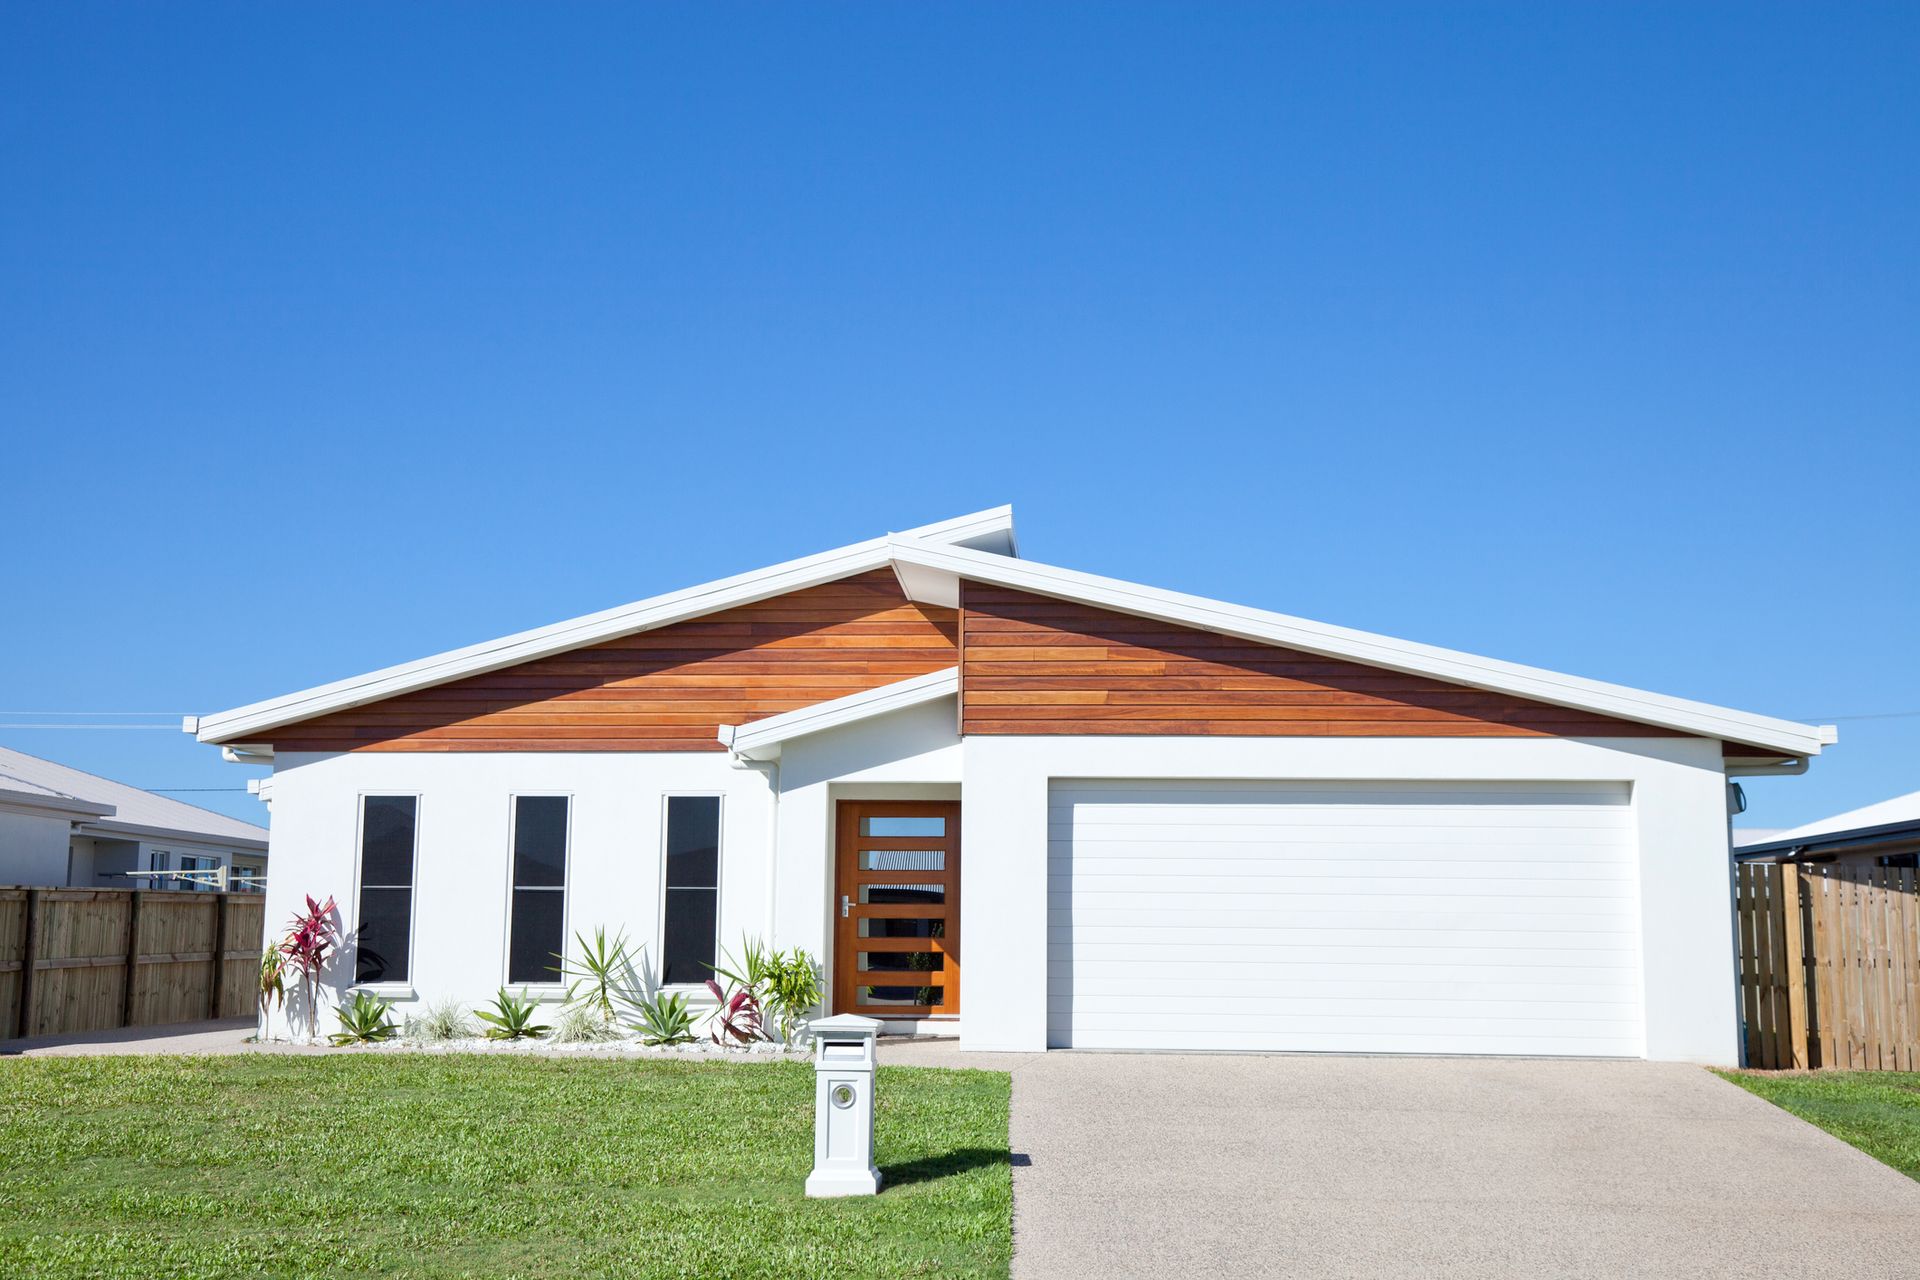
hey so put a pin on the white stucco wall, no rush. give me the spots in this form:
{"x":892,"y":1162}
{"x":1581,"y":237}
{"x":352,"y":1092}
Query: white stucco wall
{"x":33,"y":848}
{"x":1680,"y":817}
{"x":615,"y":873}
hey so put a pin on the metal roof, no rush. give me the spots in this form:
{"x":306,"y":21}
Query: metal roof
{"x":132,"y":811}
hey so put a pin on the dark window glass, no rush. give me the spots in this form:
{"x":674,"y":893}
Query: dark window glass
{"x":538,"y":932}
{"x":383,"y":941}
{"x":540,"y":841}
{"x":537,"y":925}
{"x":383,"y":944}
{"x":693,"y":888}
{"x":386,"y":841}
{"x":693,"y":842}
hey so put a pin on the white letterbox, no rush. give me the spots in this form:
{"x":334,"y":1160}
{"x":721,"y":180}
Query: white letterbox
{"x":843,"y":1107}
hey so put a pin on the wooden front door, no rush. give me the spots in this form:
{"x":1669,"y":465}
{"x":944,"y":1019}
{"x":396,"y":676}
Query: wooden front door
{"x":896,"y":951}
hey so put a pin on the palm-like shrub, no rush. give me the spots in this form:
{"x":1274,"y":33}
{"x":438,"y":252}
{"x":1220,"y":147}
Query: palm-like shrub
{"x":605,"y":974}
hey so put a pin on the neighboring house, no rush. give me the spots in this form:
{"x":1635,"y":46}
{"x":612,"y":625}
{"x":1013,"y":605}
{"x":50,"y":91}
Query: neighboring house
{"x":1886,"y":834}
{"x":1032,"y":807}
{"x":60,"y":827}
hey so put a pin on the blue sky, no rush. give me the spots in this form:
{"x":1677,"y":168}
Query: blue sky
{"x":1579,"y":336}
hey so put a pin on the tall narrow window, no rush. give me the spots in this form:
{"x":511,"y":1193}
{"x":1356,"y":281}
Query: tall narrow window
{"x":538,"y":932}
{"x":693,"y":888}
{"x":385,"y":936}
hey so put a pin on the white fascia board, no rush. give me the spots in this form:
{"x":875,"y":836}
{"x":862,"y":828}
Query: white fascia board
{"x":761,"y":739}
{"x":172,"y":835}
{"x":1359,"y":646}
{"x":594,"y":628}
{"x":71,"y":807}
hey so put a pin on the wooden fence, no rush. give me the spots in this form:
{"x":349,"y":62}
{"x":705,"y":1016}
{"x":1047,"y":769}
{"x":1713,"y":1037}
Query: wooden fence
{"x":92,"y":959}
{"x":1829,"y":966}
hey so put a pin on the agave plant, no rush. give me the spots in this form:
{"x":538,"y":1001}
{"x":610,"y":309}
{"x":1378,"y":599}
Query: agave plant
{"x":665,"y":1019}
{"x":311,"y":937}
{"x":364,"y":1021}
{"x":604,"y":974}
{"x":512,"y":1017}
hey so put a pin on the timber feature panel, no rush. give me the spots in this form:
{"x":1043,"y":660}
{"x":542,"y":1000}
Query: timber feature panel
{"x":668,"y":689}
{"x":1036,"y":665}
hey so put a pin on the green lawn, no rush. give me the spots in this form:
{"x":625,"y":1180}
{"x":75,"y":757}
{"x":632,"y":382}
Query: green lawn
{"x":485,"y":1166}
{"x":1876,"y":1111}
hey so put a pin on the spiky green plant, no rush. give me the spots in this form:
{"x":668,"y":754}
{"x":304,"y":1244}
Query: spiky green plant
{"x":512,"y":1017}
{"x":605,"y":974}
{"x":364,"y":1021}
{"x":665,"y":1019}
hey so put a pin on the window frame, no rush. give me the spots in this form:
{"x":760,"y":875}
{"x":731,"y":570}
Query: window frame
{"x":719,"y":879}
{"x":401,"y":986}
{"x":564,"y":889}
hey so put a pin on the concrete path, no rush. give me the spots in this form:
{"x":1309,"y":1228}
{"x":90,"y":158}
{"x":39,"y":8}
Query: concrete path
{"x":1228,"y":1165}
{"x":223,"y":1035}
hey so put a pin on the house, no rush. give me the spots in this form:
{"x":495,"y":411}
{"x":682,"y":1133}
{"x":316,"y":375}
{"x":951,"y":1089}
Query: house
{"x":61,"y":827}
{"x":1886,"y":834}
{"x":1032,"y":807}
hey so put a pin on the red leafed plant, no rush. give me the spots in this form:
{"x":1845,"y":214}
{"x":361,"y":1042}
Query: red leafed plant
{"x":311,"y":935}
{"x":738,"y":1017}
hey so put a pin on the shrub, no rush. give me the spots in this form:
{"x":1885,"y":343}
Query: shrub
{"x":665,"y":1019}
{"x":273,"y":978}
{"x":582,"y":1024}
{"x":364,"y":1021}
{"x":604,"y":976}
{"x":512,"y":1018}
{"x":443,"y":1020}
{"x":311,"y":937}
{"x":763,"y":984}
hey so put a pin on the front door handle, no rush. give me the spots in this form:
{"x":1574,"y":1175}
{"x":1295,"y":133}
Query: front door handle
{"x":846,"y":906}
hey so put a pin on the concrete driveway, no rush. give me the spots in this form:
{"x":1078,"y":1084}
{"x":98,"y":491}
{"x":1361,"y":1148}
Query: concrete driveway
{"x":1229,"y":1165}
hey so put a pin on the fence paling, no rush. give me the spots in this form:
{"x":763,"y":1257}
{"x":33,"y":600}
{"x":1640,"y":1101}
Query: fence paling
{"x":94,"y":959}
{"x":1829,"y":966}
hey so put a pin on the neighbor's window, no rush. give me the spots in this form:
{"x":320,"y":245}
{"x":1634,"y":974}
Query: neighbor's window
{"x":693,"y":888}
{"x":538,"y":931}
{"x":203,"y":884}
{"x":384,"y":941}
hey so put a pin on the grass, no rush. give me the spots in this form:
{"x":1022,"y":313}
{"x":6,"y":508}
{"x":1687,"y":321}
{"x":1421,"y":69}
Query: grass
{"x":1876,"y":1111}
{"x":484,"y":1166}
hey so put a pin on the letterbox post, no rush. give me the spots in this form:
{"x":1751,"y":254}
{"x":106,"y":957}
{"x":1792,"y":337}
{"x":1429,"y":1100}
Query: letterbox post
{"x":843,"y":1107}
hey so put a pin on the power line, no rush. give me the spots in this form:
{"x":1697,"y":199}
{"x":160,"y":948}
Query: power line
{"x":176,"y":791}
{"x":42,"y":724}
{"x":95,"y":713}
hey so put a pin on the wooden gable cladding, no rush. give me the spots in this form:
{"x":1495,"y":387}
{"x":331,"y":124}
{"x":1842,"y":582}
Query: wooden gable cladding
{"x":1037,"y":665}
{"x":663,"y":690}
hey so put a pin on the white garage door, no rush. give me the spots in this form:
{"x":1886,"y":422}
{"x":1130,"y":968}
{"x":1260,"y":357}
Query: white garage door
{"x":1344,"y":917}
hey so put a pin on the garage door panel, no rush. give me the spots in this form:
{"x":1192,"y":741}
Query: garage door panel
{"x":1359,"y":917}
{"x":1430,"y":884}
{"x":1601,"y":1045}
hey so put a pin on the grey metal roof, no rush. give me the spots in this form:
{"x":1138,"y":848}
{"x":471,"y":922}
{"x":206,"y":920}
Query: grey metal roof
{"x":134,"y":809}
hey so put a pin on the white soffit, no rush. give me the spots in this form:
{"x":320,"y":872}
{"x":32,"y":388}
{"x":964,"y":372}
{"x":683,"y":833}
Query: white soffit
{"x":935,"y":569}
{"x":992,"y":528}
{"x":761,"y":739}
